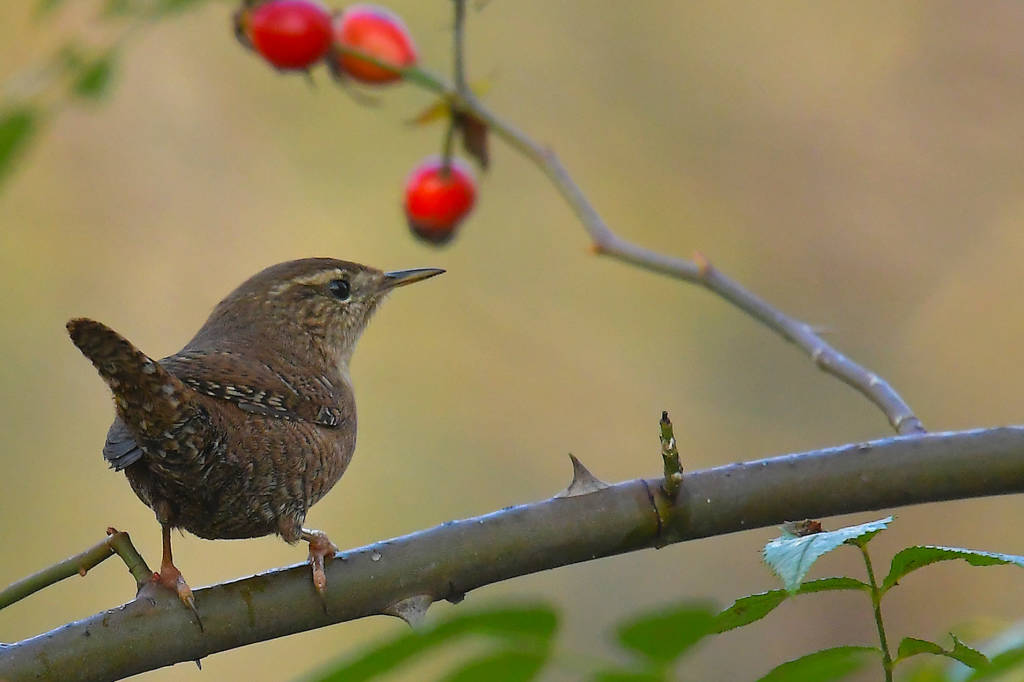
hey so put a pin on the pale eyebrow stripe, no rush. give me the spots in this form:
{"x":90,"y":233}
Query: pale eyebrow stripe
{"x":321,"y":277}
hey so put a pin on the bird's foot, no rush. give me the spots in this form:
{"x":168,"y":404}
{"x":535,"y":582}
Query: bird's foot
{"x":170,"y":577}
{"x":320,"y":548}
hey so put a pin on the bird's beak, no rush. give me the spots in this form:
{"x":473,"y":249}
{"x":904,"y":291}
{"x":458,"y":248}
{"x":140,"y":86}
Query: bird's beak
{"x":399,"y":278}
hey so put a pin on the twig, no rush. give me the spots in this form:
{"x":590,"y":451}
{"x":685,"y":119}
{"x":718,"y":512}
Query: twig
{"x":116,"y":542}
{"x":457,"y":557}
{"x":459,"y":34}
{"x":670,"y":457}
{"x":606,"y":242}
{"x":449,"y":143}
{"x":699,"y":271}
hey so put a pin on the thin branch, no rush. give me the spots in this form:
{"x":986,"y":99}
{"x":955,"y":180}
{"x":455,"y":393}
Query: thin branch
{"x":459,"y":34}
{"x":406,"y":574}
{"x":115,"y":543}
{"x":448,"y":145}
{"x":698,"y":271}
{"x":606,"y":242}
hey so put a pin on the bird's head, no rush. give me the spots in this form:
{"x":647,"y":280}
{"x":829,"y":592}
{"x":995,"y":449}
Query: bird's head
{"x":314,"y":304}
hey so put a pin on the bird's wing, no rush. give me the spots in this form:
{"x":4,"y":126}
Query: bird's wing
{"x":121,"y":450}
{"x":258,"y":388}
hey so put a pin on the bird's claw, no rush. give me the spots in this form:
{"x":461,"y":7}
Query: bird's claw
{"x":320,"y":548}
{"x":319,"y":576}
{"x":185,"y":595}
{"x":171,"y":578}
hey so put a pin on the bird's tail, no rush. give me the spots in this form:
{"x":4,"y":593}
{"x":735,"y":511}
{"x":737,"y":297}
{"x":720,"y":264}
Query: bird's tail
{"x":148,"y":397}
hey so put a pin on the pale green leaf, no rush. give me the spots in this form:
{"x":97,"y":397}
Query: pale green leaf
{"x":791,"y":557}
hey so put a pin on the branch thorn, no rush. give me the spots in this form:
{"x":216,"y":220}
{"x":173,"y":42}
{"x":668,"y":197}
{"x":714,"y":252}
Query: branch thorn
{"x":413,"y":610}
{"x":583,"y":482}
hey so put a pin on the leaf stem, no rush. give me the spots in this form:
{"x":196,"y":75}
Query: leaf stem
{"x":447,"y":148}
{"x":876,"y":604}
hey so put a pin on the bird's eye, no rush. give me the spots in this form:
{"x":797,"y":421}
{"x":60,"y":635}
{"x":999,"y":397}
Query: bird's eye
{"x":340,"y":289}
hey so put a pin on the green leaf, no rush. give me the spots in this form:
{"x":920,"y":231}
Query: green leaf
{"x":827,"y":664}
{"x":538,"y":622}
{"x":16,"y":129}
{"x":831,"y":584}
{"x":510,"y":665}
{"x":913,"y":558}
{"x":911,"y":646}
{"x":967,"y":655}
{"x":94,"y":77}
{"x":790,"y":557}
{"x":529,"y":627}
{"x":749,"y":609}
{"x":665,"y":635}
{"x":381,"y":659}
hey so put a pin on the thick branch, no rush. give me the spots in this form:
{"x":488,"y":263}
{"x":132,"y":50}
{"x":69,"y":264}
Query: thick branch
{"x":700,"y":271}
{"x":447,"y":561}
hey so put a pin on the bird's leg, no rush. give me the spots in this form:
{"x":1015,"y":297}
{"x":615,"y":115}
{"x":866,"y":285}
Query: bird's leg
{"x":170,"y":577}
{"x":320,"y":548}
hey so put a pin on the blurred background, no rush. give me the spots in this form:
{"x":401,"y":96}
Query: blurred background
{"x":857,"y":164}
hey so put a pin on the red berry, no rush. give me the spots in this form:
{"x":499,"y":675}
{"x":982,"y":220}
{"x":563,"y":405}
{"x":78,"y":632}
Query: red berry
{"x":437,"y":199}
{"x":378,"y":32}
{"x":290,"y":34}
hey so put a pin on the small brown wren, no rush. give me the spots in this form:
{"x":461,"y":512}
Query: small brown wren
{"x":239,"y":433}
